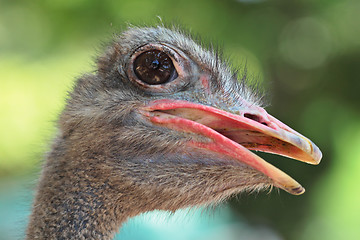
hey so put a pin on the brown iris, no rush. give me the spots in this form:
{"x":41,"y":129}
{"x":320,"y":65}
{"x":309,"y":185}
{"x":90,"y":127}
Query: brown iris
{"x":154,"y":67}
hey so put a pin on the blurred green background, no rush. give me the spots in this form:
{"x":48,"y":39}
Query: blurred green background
{"x":305,"y":52}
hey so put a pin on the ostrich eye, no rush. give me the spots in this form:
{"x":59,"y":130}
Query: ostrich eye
{"x":154,"y":67}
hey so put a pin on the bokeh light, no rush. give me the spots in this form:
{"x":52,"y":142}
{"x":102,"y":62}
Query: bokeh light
{"x":305,"y":42}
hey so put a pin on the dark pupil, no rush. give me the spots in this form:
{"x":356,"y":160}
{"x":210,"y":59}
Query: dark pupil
{"x":154,"y":67}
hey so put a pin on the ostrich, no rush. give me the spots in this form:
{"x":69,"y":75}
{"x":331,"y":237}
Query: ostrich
{"x":162,"y":124}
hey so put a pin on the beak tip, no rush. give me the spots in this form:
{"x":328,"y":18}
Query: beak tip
{"x":291,"y":186}
{"x":317,"y":155}
{"x":298,"y":190}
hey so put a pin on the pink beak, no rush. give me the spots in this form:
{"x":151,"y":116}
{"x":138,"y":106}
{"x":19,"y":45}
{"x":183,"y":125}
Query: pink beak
{"x":235,"y":135}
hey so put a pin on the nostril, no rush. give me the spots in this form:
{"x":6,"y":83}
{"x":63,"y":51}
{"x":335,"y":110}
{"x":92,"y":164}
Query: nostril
{"x":255,"y":118}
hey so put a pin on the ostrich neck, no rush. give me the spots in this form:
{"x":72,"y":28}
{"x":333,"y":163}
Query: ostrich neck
{"x":75,"y":202}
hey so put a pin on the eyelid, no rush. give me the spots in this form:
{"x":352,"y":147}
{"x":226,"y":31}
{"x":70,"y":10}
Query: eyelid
{"x":179,"y":59}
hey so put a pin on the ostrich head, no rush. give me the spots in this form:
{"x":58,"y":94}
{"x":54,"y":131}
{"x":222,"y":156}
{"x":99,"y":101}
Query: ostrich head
{"x":162,"y":124}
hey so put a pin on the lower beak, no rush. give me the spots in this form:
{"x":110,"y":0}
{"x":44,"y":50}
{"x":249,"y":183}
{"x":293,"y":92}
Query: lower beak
{"x":234,"y":135}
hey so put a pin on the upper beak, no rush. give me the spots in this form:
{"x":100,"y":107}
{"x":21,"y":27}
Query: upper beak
{"x":234,"y":135}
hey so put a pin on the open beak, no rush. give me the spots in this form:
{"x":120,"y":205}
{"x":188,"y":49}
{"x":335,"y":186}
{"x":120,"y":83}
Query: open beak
{"x":235,"y":135}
